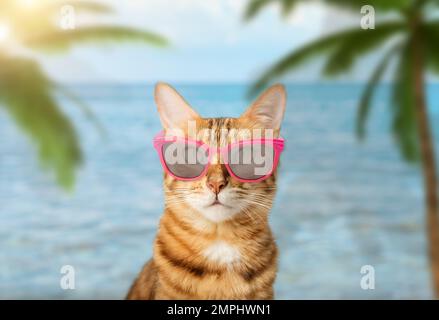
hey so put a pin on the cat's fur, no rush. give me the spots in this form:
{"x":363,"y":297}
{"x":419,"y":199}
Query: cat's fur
{"x":219,"y":252}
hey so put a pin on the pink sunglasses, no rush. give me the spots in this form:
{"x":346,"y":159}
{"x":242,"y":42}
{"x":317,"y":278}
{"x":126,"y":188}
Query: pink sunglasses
{"x":188,"y":160}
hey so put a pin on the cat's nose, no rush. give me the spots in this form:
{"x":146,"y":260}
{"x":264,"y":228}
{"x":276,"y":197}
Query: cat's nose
{"x":216,"y":185}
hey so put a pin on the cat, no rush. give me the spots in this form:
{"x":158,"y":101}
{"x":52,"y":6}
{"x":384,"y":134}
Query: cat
{"x":214,"y":240}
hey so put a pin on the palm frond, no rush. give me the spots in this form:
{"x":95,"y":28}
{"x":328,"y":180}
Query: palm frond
{"x":312,"y":50}
{"x":356,"y":44}
{"x":403,"y":108}
{"x":25,"y":94}
{"x":288,"y":6}
{"x":379,"y":5}
{"x":297,"y":58}
{"x":254,"y":7}
{"x":430,"y":33}
{"x":368,"y":93}
{"x":64,"y":39}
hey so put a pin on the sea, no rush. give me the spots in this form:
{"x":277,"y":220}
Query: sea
{"x":348,"y":216}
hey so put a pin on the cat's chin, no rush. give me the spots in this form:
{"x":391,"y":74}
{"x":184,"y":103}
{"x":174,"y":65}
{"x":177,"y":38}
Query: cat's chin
{"x":218,"y":213}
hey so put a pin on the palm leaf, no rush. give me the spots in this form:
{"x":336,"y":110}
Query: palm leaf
{"x":403,"y":108}
{"x":430,"y":33}
{"x":297,"y":58}
{"x":368,"y":93}
{"x":314,"y":49}
{"x":288,"y":6}
{"x":357,"y":44}
{"x":379,"y":5}
{"x":254,"y":7}
{"x":25,"y":94}
{"x":65,"y":39}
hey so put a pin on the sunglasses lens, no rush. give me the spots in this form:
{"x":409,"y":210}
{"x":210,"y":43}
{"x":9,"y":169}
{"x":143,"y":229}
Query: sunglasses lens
{"x":184,"y":160}
{"x":252,"y":161}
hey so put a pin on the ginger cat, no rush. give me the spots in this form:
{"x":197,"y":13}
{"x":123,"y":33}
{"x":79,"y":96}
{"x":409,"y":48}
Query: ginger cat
{"x":214,"y":240}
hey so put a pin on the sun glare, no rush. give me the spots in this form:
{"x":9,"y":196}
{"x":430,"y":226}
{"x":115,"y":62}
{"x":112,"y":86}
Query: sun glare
{"x":27,"y":3}
{"x":5,"y":32}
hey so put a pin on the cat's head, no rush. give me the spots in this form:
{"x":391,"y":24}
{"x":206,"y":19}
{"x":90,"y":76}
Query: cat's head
{"x":217,"y":195}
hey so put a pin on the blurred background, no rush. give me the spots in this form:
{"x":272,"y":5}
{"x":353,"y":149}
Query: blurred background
{"x":80,"y":183}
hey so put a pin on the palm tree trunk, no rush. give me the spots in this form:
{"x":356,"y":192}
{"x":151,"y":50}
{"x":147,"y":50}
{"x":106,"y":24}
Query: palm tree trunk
{"x":427,"y":159}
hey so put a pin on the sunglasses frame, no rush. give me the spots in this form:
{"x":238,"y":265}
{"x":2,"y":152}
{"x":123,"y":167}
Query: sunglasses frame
{"x":160,"y":139}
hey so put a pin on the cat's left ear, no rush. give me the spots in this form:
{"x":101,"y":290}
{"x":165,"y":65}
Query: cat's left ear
{"x":174,"y":111}
{"x":268,"y":110}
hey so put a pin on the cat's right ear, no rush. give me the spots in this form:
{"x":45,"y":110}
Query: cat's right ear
{"x":174,"y":111}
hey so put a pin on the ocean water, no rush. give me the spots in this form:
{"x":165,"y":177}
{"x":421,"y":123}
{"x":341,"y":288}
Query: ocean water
{"x":341,"y":204}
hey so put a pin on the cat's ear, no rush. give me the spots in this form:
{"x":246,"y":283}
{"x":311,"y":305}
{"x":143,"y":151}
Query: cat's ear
{"x":174,"y":111}
{"x":268,"y":110}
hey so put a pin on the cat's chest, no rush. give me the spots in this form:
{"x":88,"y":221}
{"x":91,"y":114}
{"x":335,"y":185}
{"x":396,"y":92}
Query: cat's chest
{"x":218,"y":269}
{"x":222,"y":253}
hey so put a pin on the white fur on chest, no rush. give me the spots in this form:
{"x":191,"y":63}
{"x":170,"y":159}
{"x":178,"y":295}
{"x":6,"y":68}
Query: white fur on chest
{"x":221,"y":252}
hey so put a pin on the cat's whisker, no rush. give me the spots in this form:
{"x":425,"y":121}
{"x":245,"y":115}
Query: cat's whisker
{"x":257,"y":203}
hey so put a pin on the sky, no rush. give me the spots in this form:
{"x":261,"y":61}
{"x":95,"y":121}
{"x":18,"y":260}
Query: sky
{"x":210,"y":43}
